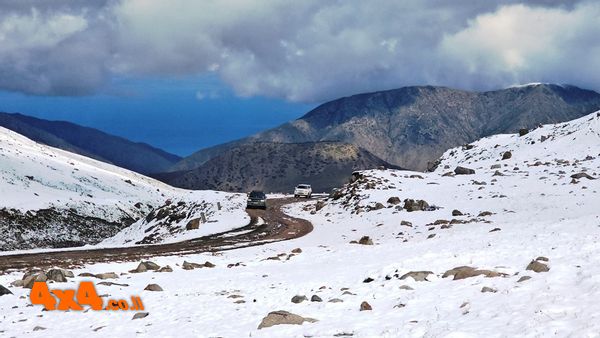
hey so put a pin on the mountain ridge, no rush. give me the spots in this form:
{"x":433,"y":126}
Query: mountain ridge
{"x":90,"y":142}
{"x":412,"y":126}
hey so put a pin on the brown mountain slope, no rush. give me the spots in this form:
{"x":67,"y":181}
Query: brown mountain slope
{"x":277,"y":167}
{"x":412,"y":126}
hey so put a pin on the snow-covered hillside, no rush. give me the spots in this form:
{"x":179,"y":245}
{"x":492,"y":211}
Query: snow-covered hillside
{"x":508,"y":251}
{"x":50,"y":197}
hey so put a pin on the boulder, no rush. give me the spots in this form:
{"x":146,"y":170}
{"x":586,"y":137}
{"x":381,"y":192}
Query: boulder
{"x":153,"y":287}
{"x":582,"y":175}
{"x":496,"y":166}
{"x":298,"y":299}
{"x":297,"y":251}
{"x":166,"y":269}
{"x":523,"y":131}
{"x":335,"y":300}
{"x":463,"y":272}
{"x":524,"y":278}
{"x":190,"y":266}
{"x":485,"y":213}
{"x":456,"y":213}
{"x":28,"y":282}
{"x":140,"y":315}
{"x":107,"y":275}
{"x":193,"y":224}
{"x":365,"y":240}
{"x":57,"y":275}
{"x":145,"y":266}
{"x":537,"y":266}
{"x":507,"y":155}
{"x":4,"y":291}
{"x":283,"y":318}
{"x":463,"y":171}
{"x":394,"y":200}
{"x":315,"y":298}
{"x":364,"y":306}
{"x":319,"y":205}
{"x":415,"y":205}
{"x":419,"y":276}
{"x":488,"y":289}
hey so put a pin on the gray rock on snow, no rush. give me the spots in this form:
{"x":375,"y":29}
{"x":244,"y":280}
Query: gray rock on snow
{"x":283,"y":318}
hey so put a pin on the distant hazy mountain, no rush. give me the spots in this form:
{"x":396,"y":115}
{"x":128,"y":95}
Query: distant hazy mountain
{"x":139,"y":157}
{"x":412,"y":126}
{"x":277,"y":167}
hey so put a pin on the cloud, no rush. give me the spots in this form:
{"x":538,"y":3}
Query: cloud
{"x":307,"y":51}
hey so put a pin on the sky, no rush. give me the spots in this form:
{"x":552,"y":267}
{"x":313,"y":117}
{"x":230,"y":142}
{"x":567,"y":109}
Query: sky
{"x":184,"y":75}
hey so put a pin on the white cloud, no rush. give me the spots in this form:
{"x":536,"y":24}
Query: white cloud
{"x":310,"y":50}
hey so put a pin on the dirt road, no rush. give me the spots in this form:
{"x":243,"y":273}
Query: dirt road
{"x":266,"y":226}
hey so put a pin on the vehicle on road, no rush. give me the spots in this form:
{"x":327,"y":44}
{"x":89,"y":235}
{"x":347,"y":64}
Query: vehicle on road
{"x":303,"y":190}
{"x":257,"y":199}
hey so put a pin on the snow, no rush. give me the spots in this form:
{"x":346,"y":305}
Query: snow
{"x":536,"y":206}
{"x":35,"y":177}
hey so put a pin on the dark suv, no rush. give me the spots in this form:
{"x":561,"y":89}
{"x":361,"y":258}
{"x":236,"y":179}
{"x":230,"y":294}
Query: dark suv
{"x":257,"y":199}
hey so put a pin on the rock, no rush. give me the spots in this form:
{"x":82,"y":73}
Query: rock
{"x":488,"y":289}
{"x":298,"y":299}
{"x":283,"y":318}
{"x":485,"y":213}
{"x":582,"y":175}
{"x":419,"y":276}
{"x":441,"y":221}
{"x":166,"y":269}
{"x":153,"y":287}
{"x":368,"y":280}
{"x":193,"y":224}
{"x":145,"y":266}
{"x":107,"y":275}
{"x":364,"y":306}
{"x":524,"y":278}
{"x":523,"y":131}
{"x":4,"y":291}
{"x":190,"y":266}
{"x":463,"y":272}
{"x":297,"y":251}
{"x":463,"y":171}
{"x":542,"y":258}
{"x":111,"y":284}
{"x":536,"y":266}
{"x":393,"y":200}
{"x":17,"y":283}
{"x":335,"y":300}
{"x":315,"y":298}
{"x":208,"y":264}
{"x":507,"y":155}
{"x":39,"y":328}
{"x":39,"y":277}
{"x":57,"y":275}
{"x":319,"y":205}
{"x":365,"y":240}
{"x":496,"y":166}
{"x":377,"y":206}
{"x":406,"y":223}
{"x":456,"y":213}
{"x":86,"y":274}
{"x":405,"y":287}
{"x":498,"y":173}
{"x":412,"y":205}
{"x":495,"y":229}
{"x":140,"y":315}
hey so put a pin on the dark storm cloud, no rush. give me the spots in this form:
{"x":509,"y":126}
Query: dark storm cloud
{"x":299,"y":50}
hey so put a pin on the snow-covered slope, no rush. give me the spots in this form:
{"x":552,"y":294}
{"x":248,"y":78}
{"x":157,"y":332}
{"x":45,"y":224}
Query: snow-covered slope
{"x":530,"y":210}
{"x":50,"y":197}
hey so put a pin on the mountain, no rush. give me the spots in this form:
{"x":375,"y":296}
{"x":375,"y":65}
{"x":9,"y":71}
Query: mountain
{"x":54,"y":198}
{"x":277,"y":167}
{"x":413,"y":126}
{"x":139,"y":157}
